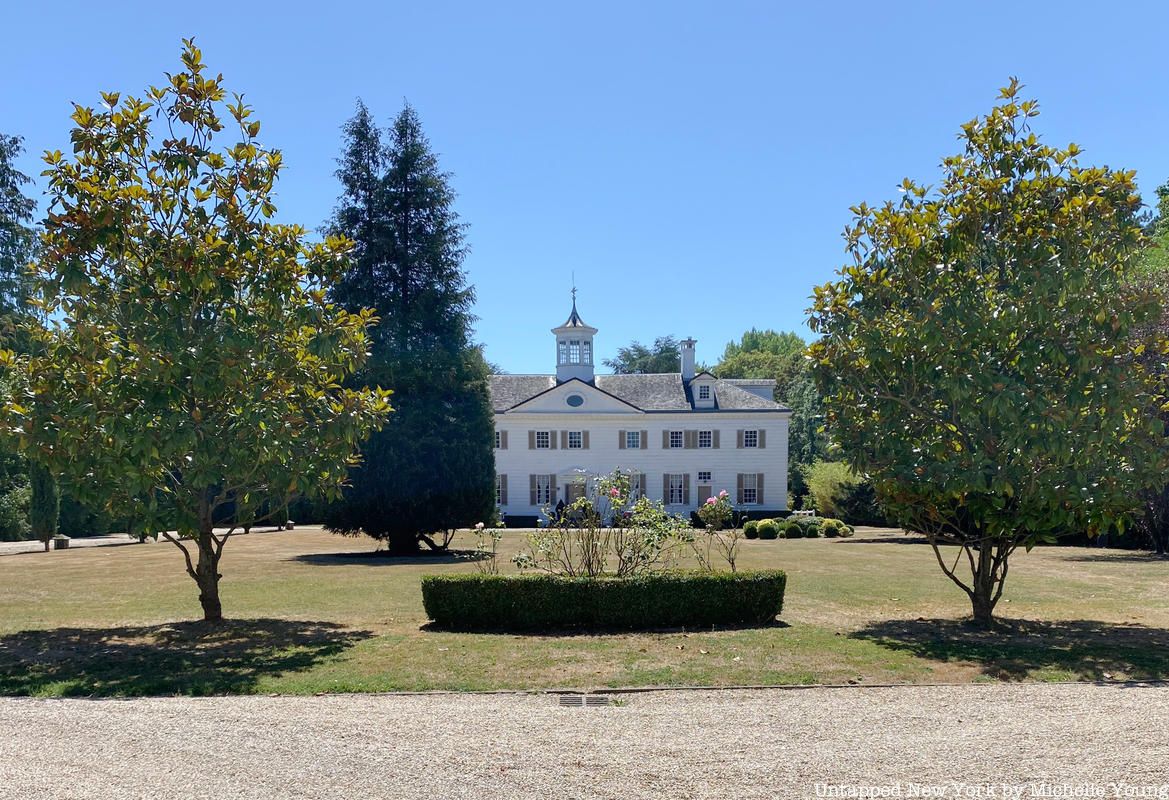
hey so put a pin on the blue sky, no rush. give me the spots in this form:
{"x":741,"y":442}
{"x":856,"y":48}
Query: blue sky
{"x":692,"y":163}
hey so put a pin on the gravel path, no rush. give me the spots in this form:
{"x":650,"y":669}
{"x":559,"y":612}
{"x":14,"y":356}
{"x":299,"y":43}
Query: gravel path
{"x":769,"y":743}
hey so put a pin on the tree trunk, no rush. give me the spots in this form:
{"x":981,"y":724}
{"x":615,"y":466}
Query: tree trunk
{"x":46,"y":544}
{"x":207,"y":577}
{"x":403,"y":544}
{"x":982,"y":598}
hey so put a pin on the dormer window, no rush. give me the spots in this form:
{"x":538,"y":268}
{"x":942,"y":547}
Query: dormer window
{"x":704,"y":391}
{"x":574,"y":351}
{"x":562,"y":352}
{"x":586,"y":349}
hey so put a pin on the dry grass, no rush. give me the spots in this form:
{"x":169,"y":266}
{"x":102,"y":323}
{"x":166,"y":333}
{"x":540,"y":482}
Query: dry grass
{"x":313,"y":613}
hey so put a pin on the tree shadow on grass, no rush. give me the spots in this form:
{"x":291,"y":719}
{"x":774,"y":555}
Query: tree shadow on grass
{"x":1113,"y":557}
{"x":188,"y":658}
{"x":1019,"y":649}
{"x":568,"y":632}
{"x":382,"y":558}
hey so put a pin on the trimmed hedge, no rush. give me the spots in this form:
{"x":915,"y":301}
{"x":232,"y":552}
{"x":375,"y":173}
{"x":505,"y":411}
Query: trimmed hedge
{"x":472,"y":602}
{"x":751,"y":529}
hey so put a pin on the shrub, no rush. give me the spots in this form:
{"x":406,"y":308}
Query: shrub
{"x":649,"y":600}
{"x":768,"y":529}
{"x":751,"y":529}
{"x":833,"y":528}
{"x":793,"y":530}
{"x":14,"y":514}
{"x":812,"y":531}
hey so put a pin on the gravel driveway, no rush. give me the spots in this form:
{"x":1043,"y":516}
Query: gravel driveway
{"x":769,"y":743}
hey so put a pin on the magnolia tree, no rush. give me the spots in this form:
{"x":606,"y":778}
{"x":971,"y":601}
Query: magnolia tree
{"x":976,"y":356}
{"x":195,"y":361}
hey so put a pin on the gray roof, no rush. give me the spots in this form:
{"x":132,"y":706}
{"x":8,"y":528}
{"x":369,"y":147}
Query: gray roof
{"x":511,"y":390}
{"x":663,"y":392}
{"x":658,"y":392}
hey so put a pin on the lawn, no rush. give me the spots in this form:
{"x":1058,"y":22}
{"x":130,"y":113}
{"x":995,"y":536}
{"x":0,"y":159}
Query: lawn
{"x":312,"y":612}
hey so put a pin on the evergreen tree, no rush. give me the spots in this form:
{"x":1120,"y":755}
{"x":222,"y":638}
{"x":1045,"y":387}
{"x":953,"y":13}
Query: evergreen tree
{"x":44,"y":505}
{"x":432,"y":468}
{"x":17,"y":237}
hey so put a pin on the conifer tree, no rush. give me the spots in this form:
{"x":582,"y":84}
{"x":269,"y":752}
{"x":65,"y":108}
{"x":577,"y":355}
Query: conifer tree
{"x":431,"y":469}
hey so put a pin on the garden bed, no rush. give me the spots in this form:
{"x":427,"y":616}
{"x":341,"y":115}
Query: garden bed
{"x":656,"y":600}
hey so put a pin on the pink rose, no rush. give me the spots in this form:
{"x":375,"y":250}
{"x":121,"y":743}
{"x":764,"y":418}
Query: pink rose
{"x":723,"y":493}
{"x":613,"y":492}
{"x":710,"y":501}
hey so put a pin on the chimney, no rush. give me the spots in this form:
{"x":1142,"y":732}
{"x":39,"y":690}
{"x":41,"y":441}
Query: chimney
{"x":687,"y":348}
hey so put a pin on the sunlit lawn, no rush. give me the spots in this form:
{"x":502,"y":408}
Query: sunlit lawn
{"x":873,"y":609}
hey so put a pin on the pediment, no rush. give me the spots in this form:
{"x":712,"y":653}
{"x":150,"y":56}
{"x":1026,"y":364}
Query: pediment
{"x":574,"y":397}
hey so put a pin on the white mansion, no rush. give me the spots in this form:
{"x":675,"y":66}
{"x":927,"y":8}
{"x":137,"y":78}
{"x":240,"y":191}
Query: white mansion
{"x":681,"y":436}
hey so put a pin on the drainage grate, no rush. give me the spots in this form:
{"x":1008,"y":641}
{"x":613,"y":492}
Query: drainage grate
{"x":584,"y":700}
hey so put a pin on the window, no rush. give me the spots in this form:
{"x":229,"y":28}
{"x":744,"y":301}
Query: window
{"x":706,"y":439}
{"x":750,"y":489}
{"x":543,"y":440}
{"x":498,"y":440}
{"x":500,"y":490}
{"x":704,"y":392}
{"x":562,"y":352}
{"x":574,"y":351}
{"x":574,"y":400}
{"x":751,"y":438}
{"x":676,"y":439}
{"x":575,"y":440}
{"x":586,"y":349}
{"x":676,"y":492}
{"x":704,"y":477}
{"x":633,"y":440}
{"x":636,"y":487}
{"x":543,"y":490}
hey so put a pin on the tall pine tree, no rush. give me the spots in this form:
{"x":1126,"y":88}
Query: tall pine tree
{"x":432,"y":468}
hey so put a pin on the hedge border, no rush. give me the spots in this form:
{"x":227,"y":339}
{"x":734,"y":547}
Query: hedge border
{"x":474,"y":602}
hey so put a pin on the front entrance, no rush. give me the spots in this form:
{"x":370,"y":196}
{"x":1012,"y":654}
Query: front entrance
{"x":704,"y":493}
{"x":573,"y":492}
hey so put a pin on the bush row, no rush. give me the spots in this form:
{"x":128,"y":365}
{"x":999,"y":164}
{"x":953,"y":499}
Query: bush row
{"x":797,"y":528}
{"x":657,"y":600}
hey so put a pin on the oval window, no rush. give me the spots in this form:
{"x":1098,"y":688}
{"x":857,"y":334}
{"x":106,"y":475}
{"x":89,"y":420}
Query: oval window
{"x":574,"y":400}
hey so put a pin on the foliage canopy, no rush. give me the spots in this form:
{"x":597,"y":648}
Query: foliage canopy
{"x":195,"y":361}
{"x":977,"y":356}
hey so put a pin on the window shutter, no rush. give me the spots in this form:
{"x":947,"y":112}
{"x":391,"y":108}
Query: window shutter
{"x":714,"y":439}
{"x":554,"y":491}
{"x":665,"y":488}
{"x":620,"y":440}
{"x":762,"y":438}
{"x":564,"y":440}
{"x":503,"y":440}
{"x":686,"y":488}
{"x":503,"y":490}
{"x":645,"y":440}
{"x":531,"y":440}
{"x":739,"y":440}
{"x":584,"y":440}
{"x":739,"y":485}
{"x":759,"y":488}
{"x":665,"y":440}
{"x":552,"y":439}
{"x":688,"y":439}
{"x":531,"y":490}
{"x":642,"y":486}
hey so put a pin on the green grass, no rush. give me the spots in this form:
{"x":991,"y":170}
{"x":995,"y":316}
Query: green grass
{"x":311,"y":612}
